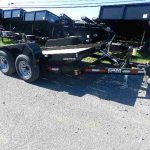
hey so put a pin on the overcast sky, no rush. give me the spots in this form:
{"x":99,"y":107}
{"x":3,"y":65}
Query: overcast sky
{"x":74,"y":13}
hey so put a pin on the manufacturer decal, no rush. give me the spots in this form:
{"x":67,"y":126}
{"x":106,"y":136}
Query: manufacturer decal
{"x":69,"y":58}
{"x":114,"y":70}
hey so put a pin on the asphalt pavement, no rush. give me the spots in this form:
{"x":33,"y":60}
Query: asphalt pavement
{"x":59,"y":112}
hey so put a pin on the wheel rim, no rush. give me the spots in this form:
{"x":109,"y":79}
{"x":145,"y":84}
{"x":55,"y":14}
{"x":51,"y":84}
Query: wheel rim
{"x":4,"y":66}
{"x":25,"y":70}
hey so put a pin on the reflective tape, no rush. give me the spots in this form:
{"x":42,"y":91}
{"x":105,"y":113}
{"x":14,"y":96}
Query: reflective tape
{"x":53,"y":69}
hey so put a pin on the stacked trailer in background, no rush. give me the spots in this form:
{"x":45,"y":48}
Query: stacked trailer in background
{"x":43,"y":24}
{"x":1,"y":14}
{"x":1,"y":25}
{"x":13,"y":20}
{"x":38,"y":23}
{"x":29,"y":18}
{"x":17,"y":20}
{"x":88,"y":29}
{"x":6,"y":19}
{"x":48,"y":24}
{"x":130,"y":21}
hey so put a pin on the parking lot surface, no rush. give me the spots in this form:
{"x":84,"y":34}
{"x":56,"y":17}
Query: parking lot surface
{"x":92,"y":112}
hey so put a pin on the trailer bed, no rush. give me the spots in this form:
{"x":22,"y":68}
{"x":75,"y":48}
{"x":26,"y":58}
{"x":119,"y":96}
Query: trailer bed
{"x":70,"y":52}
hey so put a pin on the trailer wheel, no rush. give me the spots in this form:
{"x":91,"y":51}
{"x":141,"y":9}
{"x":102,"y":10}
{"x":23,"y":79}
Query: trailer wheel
{"x":7,"y":63}
{"x":26,"y":70}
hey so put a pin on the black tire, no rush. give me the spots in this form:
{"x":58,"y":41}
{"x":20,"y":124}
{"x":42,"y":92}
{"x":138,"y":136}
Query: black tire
{"x":7,"y":58}
{"x":31,"y":72}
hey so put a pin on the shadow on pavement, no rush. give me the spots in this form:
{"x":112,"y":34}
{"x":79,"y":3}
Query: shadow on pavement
{"x":108,"y":87}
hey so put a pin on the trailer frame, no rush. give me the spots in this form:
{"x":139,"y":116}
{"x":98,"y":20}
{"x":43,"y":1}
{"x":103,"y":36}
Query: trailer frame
{"x":68,"y":59}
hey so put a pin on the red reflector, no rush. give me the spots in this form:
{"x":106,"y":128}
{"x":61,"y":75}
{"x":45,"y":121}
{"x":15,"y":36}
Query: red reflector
{"x":88,"y":70}
{"x":49,"y":69}
{"x":103,"y":70}
{"x":134,"y":71}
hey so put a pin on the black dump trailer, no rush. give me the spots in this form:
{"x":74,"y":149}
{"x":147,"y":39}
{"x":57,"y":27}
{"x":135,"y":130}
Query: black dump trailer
{"x":48,"y":24}
{"x":1,"y":25}
{"x":28,"y":22}
{"x":1,"y":11}
{"x":42,"y":23}
{"x":86,"y":28}
{"x":13,"y":20}
{"x":130,"y":21}
{"x":17,"y":20}
{"x":6,"y":19}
